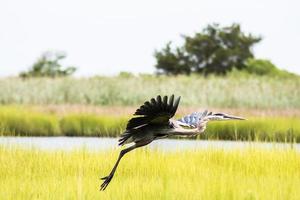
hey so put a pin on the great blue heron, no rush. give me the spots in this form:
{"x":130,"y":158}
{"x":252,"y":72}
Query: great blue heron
{"x":154,"y":121}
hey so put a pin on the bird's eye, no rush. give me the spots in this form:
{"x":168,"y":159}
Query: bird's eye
{"x":218,"y":114}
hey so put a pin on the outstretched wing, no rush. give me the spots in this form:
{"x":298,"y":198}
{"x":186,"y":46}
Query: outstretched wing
{"x":192,"y":120}
{"x":155,"y":111}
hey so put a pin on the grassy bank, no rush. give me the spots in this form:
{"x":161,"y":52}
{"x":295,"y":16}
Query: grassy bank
{"x":206,"y":174}
{"x":23,"y":121}
{"x":235,"y":90}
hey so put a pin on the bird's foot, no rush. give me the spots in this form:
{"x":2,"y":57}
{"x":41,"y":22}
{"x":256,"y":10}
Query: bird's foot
{"x":106,"y":181}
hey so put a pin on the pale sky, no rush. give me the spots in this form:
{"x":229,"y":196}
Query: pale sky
{"x":106,"y":37}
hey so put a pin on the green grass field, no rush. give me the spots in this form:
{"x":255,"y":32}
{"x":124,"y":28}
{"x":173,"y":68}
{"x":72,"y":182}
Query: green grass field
{"x":26,"y":121}
{"x":233,"y":91}
{"x":144,"y":174}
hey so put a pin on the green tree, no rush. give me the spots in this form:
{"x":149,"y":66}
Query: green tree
{"x":48,"y":65}
{"x":215,"y":50}
{"x":172,"y":62}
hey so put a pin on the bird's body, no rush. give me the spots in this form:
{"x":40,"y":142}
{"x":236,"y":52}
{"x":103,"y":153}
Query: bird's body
{"x":154,"y":121}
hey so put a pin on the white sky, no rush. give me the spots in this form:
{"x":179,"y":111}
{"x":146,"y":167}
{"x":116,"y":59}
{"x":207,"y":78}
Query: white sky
{"x":106,"y":37}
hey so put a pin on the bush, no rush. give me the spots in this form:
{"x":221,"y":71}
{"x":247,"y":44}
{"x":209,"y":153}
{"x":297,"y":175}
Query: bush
{"x":48,"y":65}
{"x":264,"y":67}
{"x":124,"y":74}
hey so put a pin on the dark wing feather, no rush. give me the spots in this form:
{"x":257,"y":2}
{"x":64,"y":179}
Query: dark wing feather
{"x":175,"y":106}
{"x":136,"y":121}
{"x":155,"y":111}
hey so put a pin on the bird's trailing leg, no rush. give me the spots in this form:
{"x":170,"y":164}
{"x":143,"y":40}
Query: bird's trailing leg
{"x":108,"y":178}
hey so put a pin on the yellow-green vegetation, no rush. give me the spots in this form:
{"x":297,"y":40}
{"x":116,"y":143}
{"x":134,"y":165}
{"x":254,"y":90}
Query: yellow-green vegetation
{"x":20,"y":121}
{"x":23,"y":121}
{"x":262,"y":129}
{"x":235,"y":90}
{"x":144,"y":174}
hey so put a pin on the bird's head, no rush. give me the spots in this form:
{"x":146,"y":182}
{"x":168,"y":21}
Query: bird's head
{"x":223,"y":117}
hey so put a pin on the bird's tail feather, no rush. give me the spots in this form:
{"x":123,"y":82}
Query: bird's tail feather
{"x":125,"y":138}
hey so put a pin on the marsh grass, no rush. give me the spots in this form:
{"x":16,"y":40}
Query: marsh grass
{"x":25,"y":121}
{"x":144,"y":174}
{"x":91,"y":125}
{"x":232,"y":91}
{"x":19,"y":121}
{"x":280,"y":129}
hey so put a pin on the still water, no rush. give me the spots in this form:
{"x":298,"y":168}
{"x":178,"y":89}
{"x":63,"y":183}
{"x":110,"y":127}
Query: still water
{"x":98,"y":144}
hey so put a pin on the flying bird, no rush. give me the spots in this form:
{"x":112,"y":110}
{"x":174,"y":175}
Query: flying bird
{"x":153,"y":120}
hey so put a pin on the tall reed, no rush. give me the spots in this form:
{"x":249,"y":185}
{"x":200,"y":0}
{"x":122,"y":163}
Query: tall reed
{"x":231,"y":91}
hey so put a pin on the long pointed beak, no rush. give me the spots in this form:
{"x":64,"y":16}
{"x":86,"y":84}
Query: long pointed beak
{"x":233,"y":117}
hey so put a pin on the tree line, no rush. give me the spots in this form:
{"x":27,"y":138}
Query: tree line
{"x":215,"y":50}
